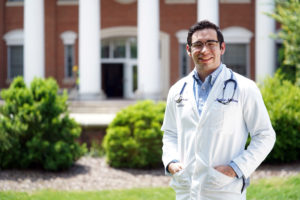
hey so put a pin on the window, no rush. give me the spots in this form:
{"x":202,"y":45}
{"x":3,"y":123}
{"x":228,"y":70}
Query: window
{"x":279,"y":54}
{"x":15,"y":61}
{"x":119,"y":48}
{"x":134,"y":78}
{"x":235,"y":1}
{"x":184,"y":59}
{"x":133,"y":48}
{"x":105,"y":49}
{"x":235,"y":57}
{"x":69,"y":38}
{"x":14,"y":3}
{"x":14,"y":41}
{"x":69,"y":60}
{"x":67,"y":2}
{"x":180,"y":1}
{"x":237,"y":54}
{"x":120,"y":51}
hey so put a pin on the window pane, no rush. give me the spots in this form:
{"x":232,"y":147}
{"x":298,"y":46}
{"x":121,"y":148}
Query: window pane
{"x":16,"y":61}
{"x":134,"y":78}
{"x":184,"y":61}
{"x":105,"y":49}
{"x":133,"y":48}
{"x":69,"y":60}
{"x":235,"y":57}
{"x":279,"y":54}
{"x":119,"y":49}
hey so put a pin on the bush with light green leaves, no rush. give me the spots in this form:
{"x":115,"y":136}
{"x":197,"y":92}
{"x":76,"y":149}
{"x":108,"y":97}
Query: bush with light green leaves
{"x":35,"y":128}
{"x":282,"y":99}
{"x":134,"y":138}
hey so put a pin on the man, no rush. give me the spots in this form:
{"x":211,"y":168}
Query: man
{"x":208,"y":117}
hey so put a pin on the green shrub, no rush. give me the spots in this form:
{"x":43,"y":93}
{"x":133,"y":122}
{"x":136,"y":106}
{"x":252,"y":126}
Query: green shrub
{"x":35,"y":127}
{"x":282,"y":100}
{"x":134,"y":138}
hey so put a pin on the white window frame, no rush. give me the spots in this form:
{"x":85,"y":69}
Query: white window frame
{"x":239,"y":35}
{"x":14,"y":3}
{"x":235,"y":1}
{"x":126,"y":31}
{"x":68,"y":38}
{"x":127,"y":61}
{"x":125,"y":1}
{"x":180,"y":1}
{"x":67,"y":2}
{"x":182,"y":39}
{"x":13,"y":38}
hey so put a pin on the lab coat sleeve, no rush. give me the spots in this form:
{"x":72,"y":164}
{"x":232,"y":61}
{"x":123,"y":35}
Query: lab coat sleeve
{"x":260,"y":128}
{"x":169,"y":127}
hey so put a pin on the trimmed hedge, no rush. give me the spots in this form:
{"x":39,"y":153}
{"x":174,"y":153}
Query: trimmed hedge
{"x":134,"y":138}
{"x":35,"y":128}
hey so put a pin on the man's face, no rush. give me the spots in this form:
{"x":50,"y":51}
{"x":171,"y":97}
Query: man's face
{"x":205,"y":50}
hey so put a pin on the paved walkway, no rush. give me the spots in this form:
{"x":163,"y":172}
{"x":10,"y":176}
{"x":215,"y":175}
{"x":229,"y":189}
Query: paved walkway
{"x":95,"y":113}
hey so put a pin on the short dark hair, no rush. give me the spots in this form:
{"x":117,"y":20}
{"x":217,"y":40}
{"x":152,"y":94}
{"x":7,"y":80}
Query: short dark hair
{"x":205,"y":24}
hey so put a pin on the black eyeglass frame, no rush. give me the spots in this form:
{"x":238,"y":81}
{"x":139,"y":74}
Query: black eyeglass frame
{"x":202,"y":44}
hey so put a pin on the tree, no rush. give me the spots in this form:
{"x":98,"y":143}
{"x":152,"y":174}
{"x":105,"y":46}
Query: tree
{"x":287,"y":13}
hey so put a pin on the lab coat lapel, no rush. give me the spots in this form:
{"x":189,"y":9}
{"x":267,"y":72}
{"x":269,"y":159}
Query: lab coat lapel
{"x":215,"y":91}
{"x":191,"y":96}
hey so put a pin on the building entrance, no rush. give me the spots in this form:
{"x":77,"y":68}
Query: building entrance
{"x":112,"y":80}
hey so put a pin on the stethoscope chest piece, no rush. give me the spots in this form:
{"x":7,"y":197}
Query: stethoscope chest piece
{"x":178,"y":98}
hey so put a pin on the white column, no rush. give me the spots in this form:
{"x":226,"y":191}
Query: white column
{"x":34,"y":44}
{"x":89,"y":50}
{"x":149,"y":86}
{"x":209,"y":10}
{"x":264,"y":45}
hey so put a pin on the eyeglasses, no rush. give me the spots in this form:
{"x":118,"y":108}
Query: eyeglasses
{"x":211,"y":44}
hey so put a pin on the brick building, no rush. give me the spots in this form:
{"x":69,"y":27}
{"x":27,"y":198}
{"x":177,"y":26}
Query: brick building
{"x":127,"y":48}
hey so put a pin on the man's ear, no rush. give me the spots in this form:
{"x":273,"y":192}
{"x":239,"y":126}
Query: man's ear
{"x":188,"y":50}
{"x":223,"y":48}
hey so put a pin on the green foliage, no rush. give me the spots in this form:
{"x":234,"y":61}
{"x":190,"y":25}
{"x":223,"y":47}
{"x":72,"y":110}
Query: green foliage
{"x":282,"y":100}
{"x":273,"y":188}
{"x":287,"y":13}
{"x":134,"y":138}
{"x":35,"y":127}
{"x":96,"y":149}
{"x":166,"y":193}
{"x":287,"y":72}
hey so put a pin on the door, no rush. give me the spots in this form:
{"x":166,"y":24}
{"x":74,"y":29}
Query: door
{"x":112,"y":80}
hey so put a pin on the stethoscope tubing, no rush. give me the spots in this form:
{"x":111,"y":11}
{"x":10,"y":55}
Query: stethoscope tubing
{"x":179,"y":97}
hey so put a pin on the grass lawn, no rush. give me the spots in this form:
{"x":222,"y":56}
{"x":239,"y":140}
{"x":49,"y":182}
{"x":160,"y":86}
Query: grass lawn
{"x":264,"y":189}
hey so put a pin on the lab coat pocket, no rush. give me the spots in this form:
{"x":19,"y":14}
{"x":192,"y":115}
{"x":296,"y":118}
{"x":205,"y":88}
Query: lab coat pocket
{"x":218,"y":179}
{"x":220,"y":186}
{"x":180,"y":180}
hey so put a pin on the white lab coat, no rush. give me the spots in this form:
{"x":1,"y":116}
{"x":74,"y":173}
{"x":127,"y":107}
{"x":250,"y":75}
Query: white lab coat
{"x":215,"y":138}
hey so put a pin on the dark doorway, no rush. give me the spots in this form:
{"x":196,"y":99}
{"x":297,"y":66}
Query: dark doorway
{"x":112,"y":80}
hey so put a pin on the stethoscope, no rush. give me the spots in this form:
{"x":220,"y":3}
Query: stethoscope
{"x":227,"y":101}
{"x":179,"y":98}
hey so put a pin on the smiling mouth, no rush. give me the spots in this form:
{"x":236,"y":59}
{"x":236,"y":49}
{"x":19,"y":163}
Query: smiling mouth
{"x":205,"y":60}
